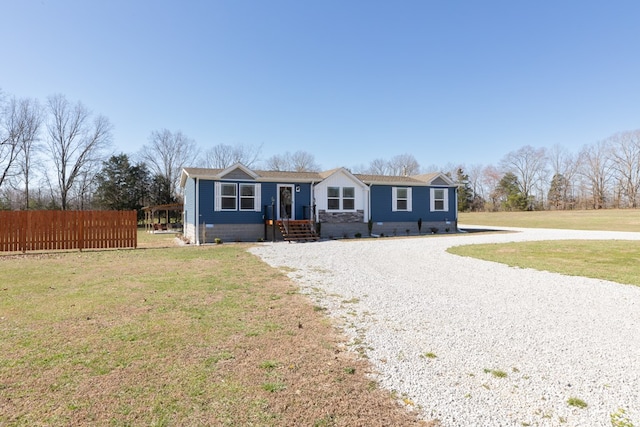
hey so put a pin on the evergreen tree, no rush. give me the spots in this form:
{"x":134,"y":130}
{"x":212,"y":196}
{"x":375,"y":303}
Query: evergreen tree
{"x":558,"y":191}
{"x":160,"y":191}
{"x":465,"y":192}
{"x":122,"y":186}
{"x":510,"y":194}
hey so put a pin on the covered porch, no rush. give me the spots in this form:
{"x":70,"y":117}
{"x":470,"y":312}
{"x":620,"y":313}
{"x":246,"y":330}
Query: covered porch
{"x":163,"y":218}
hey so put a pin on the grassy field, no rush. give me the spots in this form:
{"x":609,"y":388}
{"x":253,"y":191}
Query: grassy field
{"x":617,"y":260}
{"x":604,"y":219}
{"x":173,"y":336}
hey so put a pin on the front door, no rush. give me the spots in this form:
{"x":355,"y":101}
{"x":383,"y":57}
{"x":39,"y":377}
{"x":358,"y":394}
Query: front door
{"x":285,"y":202}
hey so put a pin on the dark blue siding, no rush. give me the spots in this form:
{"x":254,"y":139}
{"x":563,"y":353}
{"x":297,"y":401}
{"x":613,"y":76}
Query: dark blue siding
{"x":268,"y":190}
{"x":302,"y":200}
{"x":381,"y":201}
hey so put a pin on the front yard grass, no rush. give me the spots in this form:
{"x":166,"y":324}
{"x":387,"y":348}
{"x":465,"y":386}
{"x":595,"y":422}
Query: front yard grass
{"x":172,"y":336}
{"x":602,"y":219}
{"x":615,"y":260}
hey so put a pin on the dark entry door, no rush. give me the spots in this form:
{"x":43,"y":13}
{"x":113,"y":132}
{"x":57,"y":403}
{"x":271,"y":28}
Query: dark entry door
{"x":285,"y":202}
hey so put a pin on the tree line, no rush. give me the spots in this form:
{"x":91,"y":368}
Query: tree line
{"x":57,"y":155}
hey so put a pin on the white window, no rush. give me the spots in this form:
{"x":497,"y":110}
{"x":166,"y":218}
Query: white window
{"x":233,"y":197}
{"x":341,"y":198}
{"x":348,"y":198}
{"x":439,"y":199}
{"x":333,"y":198}
{"x":401,"y":199}
{"x":247,"y":197}
{"x":228,"y":195}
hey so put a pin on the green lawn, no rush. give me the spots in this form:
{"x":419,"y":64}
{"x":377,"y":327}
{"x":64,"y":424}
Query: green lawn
{"x":172,"y":336}
{"x":615,"y":260}
{"x":604,"y":219}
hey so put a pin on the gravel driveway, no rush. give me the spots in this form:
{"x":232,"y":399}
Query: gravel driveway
{"x":477,"y":343}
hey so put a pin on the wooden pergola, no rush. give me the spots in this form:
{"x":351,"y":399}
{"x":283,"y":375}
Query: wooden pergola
{"x":151,"y":213}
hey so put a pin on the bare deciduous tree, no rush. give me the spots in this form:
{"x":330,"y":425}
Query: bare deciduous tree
{"x":76,"y":140}
{"x":475,"y":180}
{"x":378,"y":167}
{"x":403,"y":165}
{"x":625,"y":155}
{"x":32,"y":116}
{"x":11,"y":133}
{"x":167,"y":153}
{"x":529,"y":165}
{"x":300,"y":161}
{"x":596,"y":168}
{"x":490,"y":179}
{"x":222,"y":156}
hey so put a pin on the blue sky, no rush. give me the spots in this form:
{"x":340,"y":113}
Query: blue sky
{"x":451,"y":82}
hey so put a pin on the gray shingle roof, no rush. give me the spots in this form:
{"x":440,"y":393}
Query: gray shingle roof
{"x":416,"y":180}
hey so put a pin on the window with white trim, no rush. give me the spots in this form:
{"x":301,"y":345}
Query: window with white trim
{"x":401,"y":199}
{"x":228,"y":197}
{"x":333,"y":198}
{"x":439,"y":199}
{"x":247,"y":197}
{"x":341,"y":198}
{"x":348,"y":198}
{"x":233,"y":197}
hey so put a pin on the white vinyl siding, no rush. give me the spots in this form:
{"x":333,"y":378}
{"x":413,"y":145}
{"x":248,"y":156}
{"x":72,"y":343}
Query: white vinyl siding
{"x":439,"y":199}
{"x":401,"y":199}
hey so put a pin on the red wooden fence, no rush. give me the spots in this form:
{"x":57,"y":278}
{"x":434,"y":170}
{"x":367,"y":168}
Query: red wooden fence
{"x":51,"y":230}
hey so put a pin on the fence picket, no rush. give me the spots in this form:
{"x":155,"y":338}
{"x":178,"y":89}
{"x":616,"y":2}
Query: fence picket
{"x":52,"y":230}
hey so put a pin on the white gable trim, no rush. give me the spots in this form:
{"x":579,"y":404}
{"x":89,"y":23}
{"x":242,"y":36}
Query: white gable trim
{"x":240,"y":166}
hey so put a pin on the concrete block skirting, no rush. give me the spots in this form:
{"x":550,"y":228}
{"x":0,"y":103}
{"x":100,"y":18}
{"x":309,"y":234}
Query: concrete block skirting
{"x":231,"y":233}
{"x":400,"y":228}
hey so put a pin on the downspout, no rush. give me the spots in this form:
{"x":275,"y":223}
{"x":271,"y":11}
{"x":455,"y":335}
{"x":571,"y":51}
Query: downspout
{"x":369,"y":202}
{"x":456,"y":209}
{"x":197,"y":211}
{"x":312,"y":206}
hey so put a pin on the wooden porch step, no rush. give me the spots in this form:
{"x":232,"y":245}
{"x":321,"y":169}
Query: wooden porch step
{"x":297,"y":230}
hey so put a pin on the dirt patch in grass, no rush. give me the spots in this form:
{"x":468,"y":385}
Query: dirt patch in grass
{"x":186,"y":336}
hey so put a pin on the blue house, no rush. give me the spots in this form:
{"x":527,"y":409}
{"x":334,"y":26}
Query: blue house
{"x":241,"y":204}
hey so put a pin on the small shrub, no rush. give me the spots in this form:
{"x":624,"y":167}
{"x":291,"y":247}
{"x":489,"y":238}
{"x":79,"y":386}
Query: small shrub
{"x":447,"y":229}
{"x":434,"y":230}
{"x":419,"y":225}
{"x":358,"y":235}
{"x":218,"y":241}
{"x":407,"y":231}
